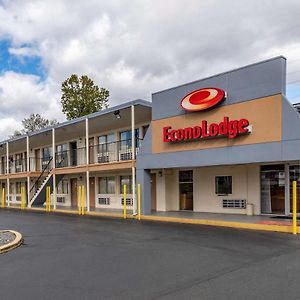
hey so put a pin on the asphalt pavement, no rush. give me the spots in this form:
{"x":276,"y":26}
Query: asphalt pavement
{"x":72,"y":257}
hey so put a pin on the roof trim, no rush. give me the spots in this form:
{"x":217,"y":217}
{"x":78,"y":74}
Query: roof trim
{"x":80,"y":119}
{"x":222,"y":73}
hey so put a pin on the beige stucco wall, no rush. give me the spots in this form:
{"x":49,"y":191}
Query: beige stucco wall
{"x":246,"y":185}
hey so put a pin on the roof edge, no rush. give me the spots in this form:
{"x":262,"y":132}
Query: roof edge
{"x":80,"y":119}
{"x":222,"y":73}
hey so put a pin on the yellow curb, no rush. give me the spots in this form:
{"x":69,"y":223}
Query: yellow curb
{"x":14,"y":244}
{"x":75,"y":212}
{"x":238,"y":225}
{"x":216,"y":223}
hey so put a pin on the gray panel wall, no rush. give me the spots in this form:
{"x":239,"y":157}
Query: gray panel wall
{"x":254,"y":81}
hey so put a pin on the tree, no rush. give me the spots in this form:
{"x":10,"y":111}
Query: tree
{"x":80,"y":97}
{"x":33,"y":123}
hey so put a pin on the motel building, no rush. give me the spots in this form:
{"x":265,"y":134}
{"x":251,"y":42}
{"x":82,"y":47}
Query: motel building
{"x":226,"y":144}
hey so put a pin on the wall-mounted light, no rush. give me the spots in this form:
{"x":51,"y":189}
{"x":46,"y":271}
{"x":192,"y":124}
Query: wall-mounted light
{"x":117,"y":114}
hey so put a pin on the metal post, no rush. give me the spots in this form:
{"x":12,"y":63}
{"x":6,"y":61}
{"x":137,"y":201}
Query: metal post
{"x":3,"y":198}
{"x":87,"y":162}
{"x":28,"y":169}
{"x":88,"y":190}
{"x":28,"y":154}
{"x":82,"y":200}
{"x":124,"y":204}
{"x":7,"y":173}
{"x":294,"y":207}
{"x":53,"y":168}
{"x":133,"y":150}
{"x":87,"y":140}
{"x":79,"y":199}
{"x":139,"y":201}
{"x":8,"y":191}
{"x":23,"y":197}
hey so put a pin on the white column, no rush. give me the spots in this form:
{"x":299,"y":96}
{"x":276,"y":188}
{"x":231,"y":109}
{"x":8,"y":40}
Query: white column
{"x":7,"y":173}
{"x":87,"y":163}
{"x":28,"y":191}
{"x":88,"y":190}
{"x":53,"y":168}
{"x":87,"y":140}
{"x":27,"y":153}
{"x":28,"y":170}
{"x":133,"y":160}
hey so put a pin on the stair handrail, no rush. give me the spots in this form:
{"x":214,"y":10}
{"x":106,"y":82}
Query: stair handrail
{"x":43,"y":171}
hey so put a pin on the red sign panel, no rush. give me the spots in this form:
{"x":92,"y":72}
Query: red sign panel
{"x":202,"y":99}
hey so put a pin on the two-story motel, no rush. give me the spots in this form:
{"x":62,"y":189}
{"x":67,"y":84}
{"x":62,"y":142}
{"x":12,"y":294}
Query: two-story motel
{"x":233,"y":150}
{"x":95,"y":151}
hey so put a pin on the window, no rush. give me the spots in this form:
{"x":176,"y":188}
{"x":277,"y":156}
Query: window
{"x":61,"y":155}
{"x":106,"y":185}
{"x":18,"y":187}
{"x":46,"y":154}
{"x":11,"y":188}
{"x":127,"y":179}
{"x":223,"y":185}
{"x":63,"y":187}
{"x":106,"y":143}
{"x":125,"y":139}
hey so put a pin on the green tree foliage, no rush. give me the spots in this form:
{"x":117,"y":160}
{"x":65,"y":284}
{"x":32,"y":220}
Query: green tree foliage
{"x":80,"y":97}
{"x":33,"y":123}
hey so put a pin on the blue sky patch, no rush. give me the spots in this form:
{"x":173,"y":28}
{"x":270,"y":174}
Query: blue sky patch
{"x":24,"y":65}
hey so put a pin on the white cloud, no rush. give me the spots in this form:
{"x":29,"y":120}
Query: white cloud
{"x":8,"y":126}
{"x":136,"y":47}
{"x":21,"y":95}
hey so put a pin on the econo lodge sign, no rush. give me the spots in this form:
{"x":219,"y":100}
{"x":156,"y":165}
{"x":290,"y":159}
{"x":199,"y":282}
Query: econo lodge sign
{"x":200,"y":100}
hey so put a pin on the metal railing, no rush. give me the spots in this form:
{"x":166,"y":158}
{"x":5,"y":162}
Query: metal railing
{"x":20,"y":165}
{"x":112,"y":152}
{"x":44,"y":172}
{"x":70,"y":158}
{"x":98,"y":154}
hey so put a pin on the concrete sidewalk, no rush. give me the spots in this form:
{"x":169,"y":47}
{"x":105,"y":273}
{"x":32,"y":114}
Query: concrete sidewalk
{"x":265,"y":223}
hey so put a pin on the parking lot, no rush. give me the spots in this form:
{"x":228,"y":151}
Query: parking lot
{"x":70,"y":257}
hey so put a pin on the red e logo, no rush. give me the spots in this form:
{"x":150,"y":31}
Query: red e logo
{"x":202,"y":99}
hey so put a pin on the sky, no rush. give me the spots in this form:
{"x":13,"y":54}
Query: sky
{"x":134,"y":48}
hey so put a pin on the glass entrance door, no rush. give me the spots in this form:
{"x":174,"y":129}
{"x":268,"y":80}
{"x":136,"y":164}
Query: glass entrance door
{"x":273,"y":189}
{"x":294,"y":175}
{"x":186,"y":190}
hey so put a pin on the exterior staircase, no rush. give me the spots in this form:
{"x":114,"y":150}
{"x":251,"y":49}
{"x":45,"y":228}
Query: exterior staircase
{"x":39,"y":197}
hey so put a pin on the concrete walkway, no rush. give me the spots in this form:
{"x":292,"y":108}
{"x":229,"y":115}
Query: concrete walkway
{"x":265,"y":223}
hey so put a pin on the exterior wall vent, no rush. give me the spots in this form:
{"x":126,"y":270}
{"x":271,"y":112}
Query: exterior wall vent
{"x":129,"y":201}
{"x":234,"y":203}
{"x":61,"y":199}
{"x":104,"y":201}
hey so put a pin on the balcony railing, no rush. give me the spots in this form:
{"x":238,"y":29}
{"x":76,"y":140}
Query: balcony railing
{"x":20,"y":165}
{"x":98,"y":154}
{"x":70,"y":158}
